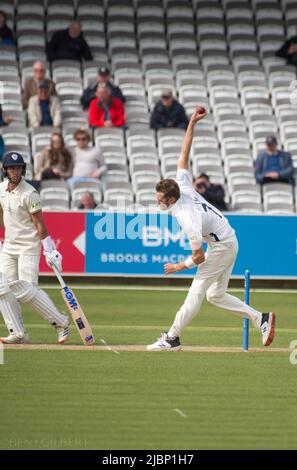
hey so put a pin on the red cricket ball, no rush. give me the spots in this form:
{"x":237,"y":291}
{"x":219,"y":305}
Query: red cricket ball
{"x":201,"y":110}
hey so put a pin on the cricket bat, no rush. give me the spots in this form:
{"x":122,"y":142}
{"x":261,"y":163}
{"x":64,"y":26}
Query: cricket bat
{"x":76,"y":312}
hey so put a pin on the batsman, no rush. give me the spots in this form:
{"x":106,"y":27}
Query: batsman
{"x":25,"y":231}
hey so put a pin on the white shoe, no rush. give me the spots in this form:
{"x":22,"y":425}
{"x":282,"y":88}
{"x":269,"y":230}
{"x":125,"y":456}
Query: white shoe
{"x":267,"y":328}
{"x":16,"y":339}
{"x":63,"y":333}
{"x":165,"y":343}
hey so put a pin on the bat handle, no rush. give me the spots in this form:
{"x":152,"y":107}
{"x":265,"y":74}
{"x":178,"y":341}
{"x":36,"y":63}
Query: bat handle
{"x":59,"y":276}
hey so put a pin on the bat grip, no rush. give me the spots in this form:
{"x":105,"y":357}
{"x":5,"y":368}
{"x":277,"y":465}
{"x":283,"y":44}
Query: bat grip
{"x":59,"y":276}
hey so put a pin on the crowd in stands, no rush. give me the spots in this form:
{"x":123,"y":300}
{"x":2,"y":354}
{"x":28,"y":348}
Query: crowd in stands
{"x":103,"y":77}
{"x":105,"y":104}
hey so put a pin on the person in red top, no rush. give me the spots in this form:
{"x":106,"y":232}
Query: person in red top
{"x":106,"y":110}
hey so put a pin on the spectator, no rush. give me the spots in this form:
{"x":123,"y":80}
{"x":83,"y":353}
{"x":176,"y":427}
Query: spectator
{"x":69,"y":44}
{"x":6,"y":35}
{"x":168,"y":112}
{"x":289,"y":51}
{"x":30,"y":88}
{"x":103,"y":76}
{"x":273,"y":165}
{"x":89,"y":164}
{"x":212,"y":193}
{"x":87,"y":201}
{"x":4,"y":120}
{"x":43,"y":109}
{"x":55,"y":161}
{"x":105,"y":110}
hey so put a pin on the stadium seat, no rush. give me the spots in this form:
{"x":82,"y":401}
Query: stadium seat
{"x":30,"y":6}
{"x":53,"y":204}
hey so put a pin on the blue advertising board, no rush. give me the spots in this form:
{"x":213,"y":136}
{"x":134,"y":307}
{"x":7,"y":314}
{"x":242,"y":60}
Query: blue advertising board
{"x":140,"y":244}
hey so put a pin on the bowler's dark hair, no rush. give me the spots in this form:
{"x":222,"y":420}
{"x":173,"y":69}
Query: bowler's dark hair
{"x":204,"y":175}
{"x":169,"y":188}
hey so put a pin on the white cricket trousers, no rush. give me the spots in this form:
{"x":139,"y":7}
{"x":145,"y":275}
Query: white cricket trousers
{"x":20,"y":267}
{"x":212,"y":280}
{"x":19,"y":283}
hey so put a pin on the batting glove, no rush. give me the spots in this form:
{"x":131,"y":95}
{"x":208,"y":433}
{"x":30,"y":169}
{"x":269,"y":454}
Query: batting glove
{"x":54,"y":259}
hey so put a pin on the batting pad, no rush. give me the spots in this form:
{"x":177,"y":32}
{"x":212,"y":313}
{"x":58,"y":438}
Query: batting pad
{"x":10,"y":309}
{"x":40,"y":301}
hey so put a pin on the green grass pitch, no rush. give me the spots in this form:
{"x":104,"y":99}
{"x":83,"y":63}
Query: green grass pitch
{"x":139,"y":400}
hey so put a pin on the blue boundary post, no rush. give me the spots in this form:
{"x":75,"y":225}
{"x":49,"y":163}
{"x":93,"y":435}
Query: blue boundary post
{"x":245,"y":338}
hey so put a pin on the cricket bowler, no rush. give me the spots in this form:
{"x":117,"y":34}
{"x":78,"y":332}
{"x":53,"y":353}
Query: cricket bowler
{"x":25,"y":231}
{"x":203,"y":223}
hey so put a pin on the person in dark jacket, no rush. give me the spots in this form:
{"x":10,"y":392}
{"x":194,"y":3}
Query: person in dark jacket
{"x":288,"y":51}
{"x":69,"y":44}
{"x":6,"y":35}
{"x":212,"y":193}
{"x":168,"y":112}
{"x":103,"y":76}
{"x":273,"y":165}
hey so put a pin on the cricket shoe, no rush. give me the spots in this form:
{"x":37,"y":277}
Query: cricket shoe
{"x":63,"y":333}
{"x":165,"y":343}
{"x":16,"y":339}
{"x":267,"y":328}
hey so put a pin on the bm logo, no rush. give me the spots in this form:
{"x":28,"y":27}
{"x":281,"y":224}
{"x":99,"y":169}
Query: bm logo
{"x":70,"y":298}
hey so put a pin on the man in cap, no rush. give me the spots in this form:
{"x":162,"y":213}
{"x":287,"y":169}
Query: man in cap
{"x":30,"y":88}
{"x":168,"y":112}
{"x":25,"y":231}
{"x":44,"y":109}
{"x":103,"y":77}
{"x":274,"y":165}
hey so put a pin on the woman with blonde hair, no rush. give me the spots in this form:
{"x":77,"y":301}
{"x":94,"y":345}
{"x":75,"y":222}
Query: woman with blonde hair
{"x":88,"y":161}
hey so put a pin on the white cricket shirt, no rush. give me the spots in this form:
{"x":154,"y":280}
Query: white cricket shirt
{"x":200,"y":220}
{"x":21,"y":236}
